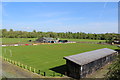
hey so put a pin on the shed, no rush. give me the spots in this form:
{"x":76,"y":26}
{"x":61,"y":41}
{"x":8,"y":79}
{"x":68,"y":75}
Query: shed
{"x":46,"y":40}
{"x":63,"y":41}
{"x":79,"y":65}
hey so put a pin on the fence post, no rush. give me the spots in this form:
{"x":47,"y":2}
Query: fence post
{"x":5,"y":59}
{"x":22,"y":65}
{"x":30,"y":68}
{"x":44,"y":74}
{"x":13,"y":62}
{"x":34,"y":70}
{"x":38,"y":71}
{"x":10,"y":61}
{"x":26,"y":67}
{"x":16,"y":63}
{"x":53,"y":74}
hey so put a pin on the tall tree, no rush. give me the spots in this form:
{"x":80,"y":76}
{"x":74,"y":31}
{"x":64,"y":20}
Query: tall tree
{"x":11,"y":30}
{"x":34,"y":31}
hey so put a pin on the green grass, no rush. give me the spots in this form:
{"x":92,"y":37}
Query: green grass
{"x":16,"y":40}
{"x":85,"y":40}
{"x":45,"y":57}
{"x":25,"y":40}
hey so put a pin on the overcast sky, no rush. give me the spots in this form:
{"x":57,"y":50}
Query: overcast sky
{"x":89,"y":17}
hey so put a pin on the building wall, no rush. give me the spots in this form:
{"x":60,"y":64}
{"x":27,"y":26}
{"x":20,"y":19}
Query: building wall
{"x":95,"y":65}
{"x":81,"y":71}
{"x":42,"y":40}
{"x":72,"y":69}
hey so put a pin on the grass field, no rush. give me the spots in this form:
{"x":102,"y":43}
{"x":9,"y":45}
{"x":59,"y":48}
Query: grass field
{"x":85,"y":40}
{"x":48,"y":58}
{"x":25,"y":40}
{"x":16,"y":40}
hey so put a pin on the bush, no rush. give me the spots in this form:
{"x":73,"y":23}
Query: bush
{"x":114,"y":70}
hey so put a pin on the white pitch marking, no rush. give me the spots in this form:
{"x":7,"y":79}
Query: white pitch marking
{"x":10,"y":53}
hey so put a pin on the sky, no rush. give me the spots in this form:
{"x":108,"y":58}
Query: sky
{"x":60,"y":0}
{"x":88,"y":17}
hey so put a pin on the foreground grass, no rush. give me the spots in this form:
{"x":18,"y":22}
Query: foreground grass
{"x":46,"y":57}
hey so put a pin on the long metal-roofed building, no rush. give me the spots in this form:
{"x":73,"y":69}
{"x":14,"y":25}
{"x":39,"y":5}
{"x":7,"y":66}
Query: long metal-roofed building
{"x":79,"y":65}
{"x":46,"y":40}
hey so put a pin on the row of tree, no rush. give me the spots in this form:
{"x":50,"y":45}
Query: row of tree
{"x":70,"y":35}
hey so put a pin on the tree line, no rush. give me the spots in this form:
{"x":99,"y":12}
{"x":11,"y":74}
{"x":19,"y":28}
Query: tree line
{"x":77,"y":35}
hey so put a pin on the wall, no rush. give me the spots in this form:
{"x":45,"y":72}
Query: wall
{"x":95,"y":65}
{"x":73,"y":69}
{"x":80,"y":71}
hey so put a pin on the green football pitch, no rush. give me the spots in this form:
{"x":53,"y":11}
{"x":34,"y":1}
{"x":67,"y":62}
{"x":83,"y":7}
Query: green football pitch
{"x":48,"y":57}
{"x":25,"y":40}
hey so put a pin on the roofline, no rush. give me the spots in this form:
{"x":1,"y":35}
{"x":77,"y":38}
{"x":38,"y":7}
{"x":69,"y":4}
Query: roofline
{"x":65,"y":57}
{"x":73,"y":61}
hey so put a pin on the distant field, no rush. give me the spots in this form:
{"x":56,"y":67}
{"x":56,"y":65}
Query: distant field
{"x":85,"y":40}
{"x":16,"y":40}
{"x":48,"y":58}
{"x":25,"y":40}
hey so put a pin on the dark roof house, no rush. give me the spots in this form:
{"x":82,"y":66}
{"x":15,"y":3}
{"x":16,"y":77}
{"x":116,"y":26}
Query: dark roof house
{"x":79,"y":65}
{"x":45,"y":40}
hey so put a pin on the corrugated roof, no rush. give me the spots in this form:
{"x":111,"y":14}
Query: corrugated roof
{"x":87,"y":57}
{"x":48,"y":38}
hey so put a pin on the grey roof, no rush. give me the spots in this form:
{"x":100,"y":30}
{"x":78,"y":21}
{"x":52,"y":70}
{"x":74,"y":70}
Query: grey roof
{"x":87,"y":57}
{"x":48,"y":38}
